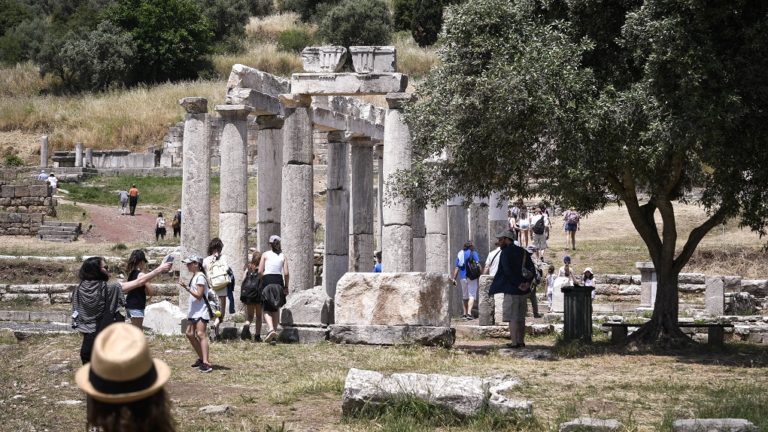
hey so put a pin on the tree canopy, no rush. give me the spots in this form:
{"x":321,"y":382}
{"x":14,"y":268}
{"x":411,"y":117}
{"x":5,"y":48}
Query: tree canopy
{"x":583,"y":100}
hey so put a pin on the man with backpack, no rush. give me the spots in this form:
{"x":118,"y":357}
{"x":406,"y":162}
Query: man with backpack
{"x":468,"y":269}
{"x":540,"y":228}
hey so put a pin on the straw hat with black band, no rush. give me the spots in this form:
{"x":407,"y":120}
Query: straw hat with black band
{"x":121,"y":369}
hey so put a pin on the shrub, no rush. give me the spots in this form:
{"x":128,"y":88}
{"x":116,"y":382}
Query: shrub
{"x":13,"y":160}
{"x":402,"y":15}
{"x":307,"y":9}
{"x":228,"y":18}
{"x":427,"y":21}
{"x":260,"y":8}
{"x":293,"y":40}
{"x":357,"y":22}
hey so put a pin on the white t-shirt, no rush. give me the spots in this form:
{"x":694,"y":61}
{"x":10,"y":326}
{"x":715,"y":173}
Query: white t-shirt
{"x":273,"y":263}
{"x":197,"y":308}
{"x":492,"y":261}
{"x":535,"y":218}
{"x":53,"y":181}
{"x":524,"y":222}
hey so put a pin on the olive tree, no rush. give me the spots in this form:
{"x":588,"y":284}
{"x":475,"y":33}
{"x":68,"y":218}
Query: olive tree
{"x":583,"y":100}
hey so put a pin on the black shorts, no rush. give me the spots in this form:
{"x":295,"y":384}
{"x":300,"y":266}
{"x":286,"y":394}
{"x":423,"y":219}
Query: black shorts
{"x":195,"y":320}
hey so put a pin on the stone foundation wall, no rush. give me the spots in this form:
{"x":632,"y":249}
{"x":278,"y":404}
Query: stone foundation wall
{"x":24,"y":202}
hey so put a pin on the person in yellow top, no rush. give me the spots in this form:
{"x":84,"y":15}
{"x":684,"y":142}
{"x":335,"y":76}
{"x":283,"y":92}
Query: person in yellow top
{"x":133,"y":198}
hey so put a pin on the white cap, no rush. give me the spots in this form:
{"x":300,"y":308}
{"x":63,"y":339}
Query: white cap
{"x":588,"y":269}
{"x":274,"y":238}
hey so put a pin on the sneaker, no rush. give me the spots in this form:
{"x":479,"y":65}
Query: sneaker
{"x":205,"y":367}
{"x":198,"y":363}
{"x":270,"y":336}
{"x":257,"y":338}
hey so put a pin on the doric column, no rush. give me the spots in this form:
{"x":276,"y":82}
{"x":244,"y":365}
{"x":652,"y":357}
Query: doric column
{"x":397,"y":236}
{"x":419,"y":230}
{"x":79,"y":154}
{"x":196,"y":186}
{"x":336,"y":257}
{"x":436,"y":240}
{"x":269,"y":144}
{"x":458,"y":234}
{"x":88,"y":157}
{"x":497,"y":218}
{"x":233,"y":180}
{"x":44,"y":151}
{"x":297,"y":218}
{"x":361,"y":205}
{"x":478,"y":227}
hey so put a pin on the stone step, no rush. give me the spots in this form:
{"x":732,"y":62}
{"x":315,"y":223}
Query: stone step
{"x":61,"y":224}
{"x":35,"y":316}
{"x":58,"y":238}
{"x":55,"y":230}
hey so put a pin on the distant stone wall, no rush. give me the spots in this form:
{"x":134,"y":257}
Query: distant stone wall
{"x":24,"y":202}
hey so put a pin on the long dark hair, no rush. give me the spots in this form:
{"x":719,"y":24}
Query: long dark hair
{"x":216,"y":245}
{"x":91,"y":270}
{"x":152,"y":414}
{"x":136,"y":258}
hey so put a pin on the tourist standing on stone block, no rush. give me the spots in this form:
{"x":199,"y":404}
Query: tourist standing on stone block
{"x":273,"y":271}
{"x":217,"y":269}
{"x":136,"y":300}
{"x":250,"y":295}
{"x":176,"y":224}
{"x":122,"y":197}
{"x":465,"y":258}
{"x":513,"y":279}
{"x":198,"y":315}
{"x":159,"y":227}
{"x":96,"y":303}
{"x":133,"y":198}
{"x":588,"y":279}
{"x":124,"y":386}
{"x":571,"y":220}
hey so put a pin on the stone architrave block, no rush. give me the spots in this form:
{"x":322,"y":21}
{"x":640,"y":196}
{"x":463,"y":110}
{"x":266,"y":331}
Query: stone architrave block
{"x":395,"y":299}
{"x":714,"y":425}
{"x":262,"y":103}
{"x":348,"y":84}
{"x":392,"y":335}
{"x":715,"y":296}
{"x":589,"y":424}
{"x":248,"y":77}
{"x":194,"y":105}
{"x":323,"y":58}
{"x":310,"y":308}
{"x":367,"y":59}
{"x":758,"y":288}
{"x":164,"y":318}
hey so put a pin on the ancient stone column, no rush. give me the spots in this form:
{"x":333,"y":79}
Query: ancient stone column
{"x":419,"y":228}
{"x":436,"y":240}
{"x":269,"y":144}
{"x":378,"y":154}
{"x":233,"y":180}
{"x":44,"y":151}
{"x":458,"y":234}
{"x":89,"y":157}
{"x":196,"y":186}
{"x":397,"y":236}
{"x":297,"y":213}
{"x":497,"y":218}
{"x":336,"y":257}
{"x":79,"y":155}
{"x":478,"y":227}
{"x":361,"y":206}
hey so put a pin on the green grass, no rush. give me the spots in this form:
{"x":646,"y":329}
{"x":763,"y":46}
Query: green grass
{"x":161,"y":191}
{"x":72,"y":213}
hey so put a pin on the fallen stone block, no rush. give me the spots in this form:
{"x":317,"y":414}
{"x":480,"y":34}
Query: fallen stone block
{"x":587,"y":424}
{"x":714,"y":425}
{"x":164,"y":318}
{"x":308,"y":308}
{"x":216,"y":409}
{"x":392,"y":335}
{"x":304,"y":335}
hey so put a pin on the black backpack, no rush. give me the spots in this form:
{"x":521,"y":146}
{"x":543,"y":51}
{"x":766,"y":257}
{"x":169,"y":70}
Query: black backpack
{"x":471,"y":268}
{"x":538,"y":227}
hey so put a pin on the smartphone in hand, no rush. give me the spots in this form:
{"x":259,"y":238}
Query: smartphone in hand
{"x":168,"y":258}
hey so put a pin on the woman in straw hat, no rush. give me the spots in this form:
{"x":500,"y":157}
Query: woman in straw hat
{"x":124,"y":385}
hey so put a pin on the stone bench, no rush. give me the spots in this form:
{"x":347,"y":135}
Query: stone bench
{"x":715,"y":331}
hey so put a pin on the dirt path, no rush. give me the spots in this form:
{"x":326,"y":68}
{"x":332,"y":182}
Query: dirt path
{"x":108,"y":225}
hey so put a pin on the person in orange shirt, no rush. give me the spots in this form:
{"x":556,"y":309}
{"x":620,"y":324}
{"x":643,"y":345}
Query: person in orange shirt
{"x":133,"y":198}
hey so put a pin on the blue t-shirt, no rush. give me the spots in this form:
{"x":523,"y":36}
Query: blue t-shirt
{"x":460,"y":261}
{"x":377,"y":268}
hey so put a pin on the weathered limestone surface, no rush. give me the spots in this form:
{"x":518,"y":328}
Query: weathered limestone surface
{"x":486,"y":304}
{"x":336,"y":257}
{"x":367,"y":59}
{"x":478,"y":228}
{"x":458,"y":234}
{"x":44,"y":151}
{"x":303,"y":335}
{"x":392,"y":335}
{"x":310,"y":308}
{"x":244,"y":76}
{"x":714,"y":425}
{"x":348,"y":84}
{"x":296,"y":225}
{"x":234,"y":159}
{"x":89,"y":157}
{"x":715,"y":296}
{"x":419,"y":232}
{"x":436,"y":239}
{"x":327,"y":59}
{"x":233,"y":231}
{"x":397,"y":248}
{"x":587,"y":424}
{"x":79,"y":154}
{"x":361,"y":207}
{"x":164,"y":318}
{"x":647,"y":283}
{"x":270,"y":161}
{"x":196,"y":188}
{"x":261,"y":103}
{"x":464,"y":395}
{"x":497,"y":218}
{"x":416,"y":299}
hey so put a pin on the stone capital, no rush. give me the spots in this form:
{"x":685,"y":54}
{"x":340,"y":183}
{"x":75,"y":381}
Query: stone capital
{"x":234,"y":112}
{"x":338,"y":136}
{"x":269,"y":122}
{"x":398,"y":100}
{"x":194,"y":105}
{"x":293,"y":100}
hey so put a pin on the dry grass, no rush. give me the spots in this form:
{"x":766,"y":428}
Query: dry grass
{"x":24,"y":79}
{"x":411,"y":58}
{"x":267,"y":29}
{"x":263,"y":56}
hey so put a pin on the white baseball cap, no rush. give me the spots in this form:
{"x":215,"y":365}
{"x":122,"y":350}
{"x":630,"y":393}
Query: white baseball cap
{"x":274,"y":238}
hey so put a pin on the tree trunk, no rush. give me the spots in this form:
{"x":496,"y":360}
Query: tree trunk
{"x":663,"y":328}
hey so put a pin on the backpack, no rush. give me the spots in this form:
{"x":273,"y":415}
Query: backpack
{"x":471,"y":268}
{"x":161,"y":223}
{"x":218,"y":274}
{"x":250,"y":290}
{"x":538,"y":227}
{"x":572,"y":217}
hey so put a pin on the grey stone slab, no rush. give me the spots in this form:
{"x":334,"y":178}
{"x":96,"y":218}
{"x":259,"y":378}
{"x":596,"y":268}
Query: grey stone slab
{"x":308,"y":308}
{"x":334,"y":267}
{"x":486,"y":302}
{"x":715,"y":296}
{"x":164,"y":318}
{"x":261,"y":103}
{"x":586,"y":424}
{"x":348,"y":84}
{"x":248,"y":77}
{"x":392,"y":335}
{"x":326,"y":59}
{"x":303,"y":335}
{"x":367,"y":59}
{"x":714,"y":425}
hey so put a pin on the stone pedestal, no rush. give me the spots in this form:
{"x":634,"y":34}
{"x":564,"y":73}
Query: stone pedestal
{"x":269,"y":143}
{"x":361,"y":206}
{"x":715,"y":296}
{"x":419,"y":231}
{"x":196,"y":185}
{"x":297,"y":204}
{"x":79,"y":155}
{"x":486,"y":304}
{"x":436,"y":240}
{"x":233,"y":198}
{"x":478,"y":228}
{"x":89,"y":157}
{"x":647,"y":283}
{"x":458,"y":234}
{"x":44,"y":151}
{"x":336,"y":257}
{"x":397,"y":236}
{"x":497,"y":218}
